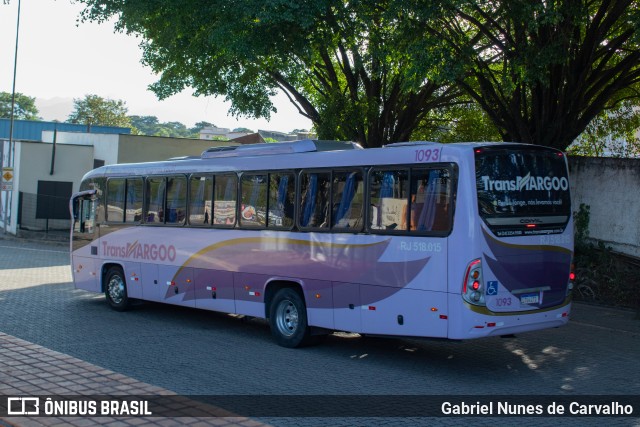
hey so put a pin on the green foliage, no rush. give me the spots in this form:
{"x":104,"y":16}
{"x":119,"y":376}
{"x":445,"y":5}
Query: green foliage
{"x":95,"y":110}
{"x":606,"y":277}
{"x":457,"y":123}
{"x":150,"y":125}
{"x":374,"y":72}
{"x":199,"y":125}
{"x":25,"y":107}
{"x":542,"y":71}
{"x":601,"y":274}
{"x":581,"y":220}
{"x":350,"y":67}
{"x":611,"y":133}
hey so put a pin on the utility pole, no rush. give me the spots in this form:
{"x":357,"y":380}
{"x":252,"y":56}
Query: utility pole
{"x":10,"y":154}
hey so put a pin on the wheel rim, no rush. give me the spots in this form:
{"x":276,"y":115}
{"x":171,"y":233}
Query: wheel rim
{"x":115,"y":289}
{"x":287,"y":318}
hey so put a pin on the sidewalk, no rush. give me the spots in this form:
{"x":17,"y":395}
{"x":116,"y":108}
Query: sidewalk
{"x":28,"y":369}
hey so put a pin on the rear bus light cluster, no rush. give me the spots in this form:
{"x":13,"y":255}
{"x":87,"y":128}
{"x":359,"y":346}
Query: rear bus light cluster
{"x":572,"y":278}
{"x":473,"y":288}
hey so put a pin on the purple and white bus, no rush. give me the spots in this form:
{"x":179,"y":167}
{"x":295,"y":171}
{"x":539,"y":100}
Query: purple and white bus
{"x":413,"y":239}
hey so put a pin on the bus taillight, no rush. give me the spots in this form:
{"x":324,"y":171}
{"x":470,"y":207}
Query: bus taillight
{"x":472,"y":289}
{"x":572,"y":278}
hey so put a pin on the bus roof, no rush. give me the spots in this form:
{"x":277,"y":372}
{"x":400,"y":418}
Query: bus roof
{"x":304,"y":154}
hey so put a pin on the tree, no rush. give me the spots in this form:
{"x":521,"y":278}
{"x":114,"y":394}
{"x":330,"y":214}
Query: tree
{"x":612,"y":133}
{"x":145,"y":125}
{"x":357,"y":70}
{"x":457,"y":123}
{"x":95,"y":110}
{"x":542,"y":71}
{"x":201,"y":125}
{"x":25,"y":107}
{"x":150,"y":125}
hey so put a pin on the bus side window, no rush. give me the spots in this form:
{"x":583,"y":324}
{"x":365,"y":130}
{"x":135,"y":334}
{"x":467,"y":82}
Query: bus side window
{"x":77,"y":215}
{"x":225,"y":200}
{"x":176,"y":206}
{"x":200,"y":200}
{"x":348,"y":197}
{"x":253,"y":211}
{"x":314,"y":202}
{"x":154,"y":201}
{"x":115,"y":199}
{"x":430,"y":197}
{"x":389,"y":196}
{"x":282,"y":195}
{"x":83,"y":215}
{"x":133,"y":202}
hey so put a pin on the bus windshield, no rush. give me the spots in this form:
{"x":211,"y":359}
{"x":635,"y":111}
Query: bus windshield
{"x":522,"y":191}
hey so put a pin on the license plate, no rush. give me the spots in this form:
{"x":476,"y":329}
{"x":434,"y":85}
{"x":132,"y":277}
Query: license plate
{"x":530,"y":298}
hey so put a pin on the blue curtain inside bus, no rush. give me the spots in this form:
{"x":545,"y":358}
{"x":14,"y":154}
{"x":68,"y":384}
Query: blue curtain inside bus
{"x":310,"y":200}
{"x":428,"y":214}
{"x":347,"y":196}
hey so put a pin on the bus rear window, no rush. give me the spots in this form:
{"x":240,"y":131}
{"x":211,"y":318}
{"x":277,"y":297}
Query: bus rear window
{"x":522,"y":191}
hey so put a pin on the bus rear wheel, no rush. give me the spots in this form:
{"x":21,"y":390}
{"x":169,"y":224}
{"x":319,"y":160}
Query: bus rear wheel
{"x":288,"y":319}
{"x":116,"y":289}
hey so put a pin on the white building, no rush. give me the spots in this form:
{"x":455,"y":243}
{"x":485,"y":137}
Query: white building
{"x":46,"y":174}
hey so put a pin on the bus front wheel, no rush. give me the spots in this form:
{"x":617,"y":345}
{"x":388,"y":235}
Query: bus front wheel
{"x":288,"y":319}
{"x":116,"y":289}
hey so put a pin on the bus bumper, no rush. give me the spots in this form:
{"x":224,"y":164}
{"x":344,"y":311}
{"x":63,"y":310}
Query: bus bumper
{"x":468,"y":321}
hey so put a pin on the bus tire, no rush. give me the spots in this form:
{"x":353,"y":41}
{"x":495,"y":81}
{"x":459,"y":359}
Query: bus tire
{"x":115,"y":289}
{"x":288,"y":319}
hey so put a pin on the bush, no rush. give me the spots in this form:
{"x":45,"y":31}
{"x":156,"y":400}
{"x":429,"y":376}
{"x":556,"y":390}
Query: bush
{"x":602,"y":275}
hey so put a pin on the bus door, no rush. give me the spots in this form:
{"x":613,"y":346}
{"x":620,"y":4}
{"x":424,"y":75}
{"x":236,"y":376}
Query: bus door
{"x":84,"y":247}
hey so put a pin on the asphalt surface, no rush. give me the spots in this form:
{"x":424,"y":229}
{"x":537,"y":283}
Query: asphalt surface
{"x":191,"y":353}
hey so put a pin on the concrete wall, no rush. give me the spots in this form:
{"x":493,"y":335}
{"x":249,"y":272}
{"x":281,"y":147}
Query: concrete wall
{"x":34,"y":164}
{"x":611,"y":187}
{"x":140,"y":148}
{"x":105,"y":145}
{"x":134,"y":148}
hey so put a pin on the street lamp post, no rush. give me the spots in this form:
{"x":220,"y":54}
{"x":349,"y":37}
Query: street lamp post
{"x":10,"y":154}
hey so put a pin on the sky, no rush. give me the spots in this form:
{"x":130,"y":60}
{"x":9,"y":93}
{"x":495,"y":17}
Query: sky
{"x":60,"y":59}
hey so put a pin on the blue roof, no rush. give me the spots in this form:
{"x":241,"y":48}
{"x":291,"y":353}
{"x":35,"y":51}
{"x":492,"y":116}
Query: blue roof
{"x":31,"y":130}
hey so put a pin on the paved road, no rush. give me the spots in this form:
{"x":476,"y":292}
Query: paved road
{"x":194,"y":352}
